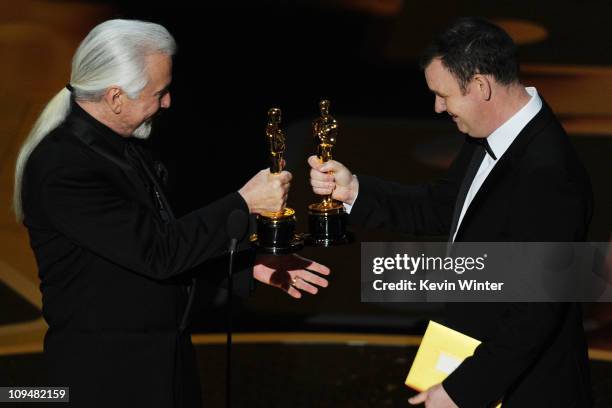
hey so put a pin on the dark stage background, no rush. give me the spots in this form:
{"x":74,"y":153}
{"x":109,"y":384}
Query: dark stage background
{"x":238,"y":59}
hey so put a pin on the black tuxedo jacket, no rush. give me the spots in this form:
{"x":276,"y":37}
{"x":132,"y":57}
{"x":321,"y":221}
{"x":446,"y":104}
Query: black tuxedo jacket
{"x":533,"y":354}
{"x":113,"y":265}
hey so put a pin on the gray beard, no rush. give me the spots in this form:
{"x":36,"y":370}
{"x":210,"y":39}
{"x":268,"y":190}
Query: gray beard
{"x":143,"y":131}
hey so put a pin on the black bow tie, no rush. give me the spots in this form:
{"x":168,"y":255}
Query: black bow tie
{"x":485,"y":143}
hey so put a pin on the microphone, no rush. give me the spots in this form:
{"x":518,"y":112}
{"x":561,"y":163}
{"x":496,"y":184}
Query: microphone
{"x":237,"y":224}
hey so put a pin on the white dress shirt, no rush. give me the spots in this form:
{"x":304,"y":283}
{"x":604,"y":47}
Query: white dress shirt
{"x":499,"y":141}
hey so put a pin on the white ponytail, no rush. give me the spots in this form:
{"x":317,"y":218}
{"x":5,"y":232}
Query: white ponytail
{"x":53,"y":114}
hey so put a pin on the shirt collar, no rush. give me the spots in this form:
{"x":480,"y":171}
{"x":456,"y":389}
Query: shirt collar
{"x":503,"y":136}
{"x":108,"y":136}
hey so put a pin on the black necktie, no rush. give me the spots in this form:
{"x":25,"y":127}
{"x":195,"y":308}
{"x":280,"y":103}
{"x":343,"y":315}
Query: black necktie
{"x":142,"y":168}
{"x":479,"y":153}
{"x":149,"y":180}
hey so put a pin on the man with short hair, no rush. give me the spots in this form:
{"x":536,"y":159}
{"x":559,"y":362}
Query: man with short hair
{"x":113,"y":260}
{"x":517,"y":178}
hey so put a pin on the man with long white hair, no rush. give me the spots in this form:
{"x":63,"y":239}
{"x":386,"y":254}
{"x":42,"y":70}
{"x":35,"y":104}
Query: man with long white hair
{"x":112,"y":258}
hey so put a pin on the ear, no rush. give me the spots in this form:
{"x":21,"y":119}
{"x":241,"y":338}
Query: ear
{"x":113,"y":98}
{"x":483,"y":86}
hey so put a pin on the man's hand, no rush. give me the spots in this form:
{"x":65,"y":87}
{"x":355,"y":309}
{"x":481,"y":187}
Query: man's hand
{"x":434,"y":397}
{"x":266,"y":191}
{"x":291,"y":273}
{"x":333,"y":178}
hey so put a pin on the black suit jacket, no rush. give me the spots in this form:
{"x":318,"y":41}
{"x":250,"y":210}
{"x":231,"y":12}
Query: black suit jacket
{"x":533,"y":354}
{"x":112,"y":264}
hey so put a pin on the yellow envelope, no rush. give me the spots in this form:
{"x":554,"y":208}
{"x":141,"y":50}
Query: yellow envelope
{"x":442,"y":350}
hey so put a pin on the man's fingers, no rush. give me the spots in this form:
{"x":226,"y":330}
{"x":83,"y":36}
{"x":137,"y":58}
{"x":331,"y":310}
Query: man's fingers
{"x":302,"y":284}
{"x":314,"y":162}
{"x":328,"y":166}
{"x":318,"y":268}
{"x":322,"y":184}
{"x":418,"y":399}
{"x":293,"y":292}
{"x":331,"y":166}
{"x":319,"y":183}
{"x":322,"y":191}
{"x":320,"y":176}
{"x":313,"y":278}
{"x":284,"y":176}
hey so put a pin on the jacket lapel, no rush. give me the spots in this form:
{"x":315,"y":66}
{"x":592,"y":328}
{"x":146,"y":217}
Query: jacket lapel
{"x":85,"y":133}
{"x":506,"y":163}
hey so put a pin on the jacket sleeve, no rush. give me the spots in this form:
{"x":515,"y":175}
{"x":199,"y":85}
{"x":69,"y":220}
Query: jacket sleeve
{"x":425,"y":209}
{"x":217,"y":268}
{"x":91,"y":211}
{"x":524,"y":332}
{"x":548,"y":207}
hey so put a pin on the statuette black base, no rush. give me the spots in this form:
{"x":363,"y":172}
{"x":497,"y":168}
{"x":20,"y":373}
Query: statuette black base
{"x":296,"y":244}
{"x":327,"y":226}
{"x":276,"y":233}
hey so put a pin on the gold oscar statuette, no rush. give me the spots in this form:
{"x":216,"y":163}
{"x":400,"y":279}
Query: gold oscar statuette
{"x":276,"y":230}
{"x":327,"y":218}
